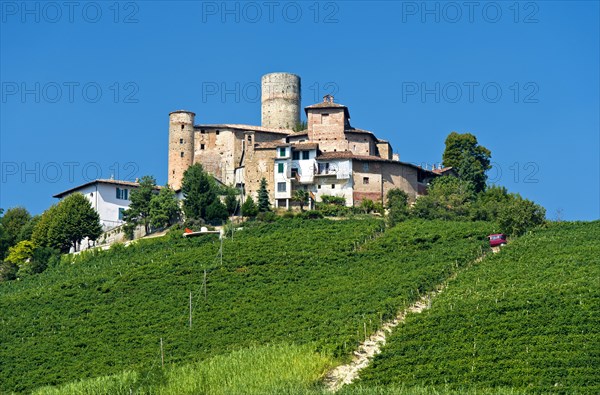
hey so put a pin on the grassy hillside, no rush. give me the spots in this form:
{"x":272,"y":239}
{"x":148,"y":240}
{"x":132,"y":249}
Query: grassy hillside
{"x":316,"y":283}
{"x":528,"y":318}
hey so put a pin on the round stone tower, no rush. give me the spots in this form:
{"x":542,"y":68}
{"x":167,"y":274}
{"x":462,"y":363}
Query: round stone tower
{"x":181,"y":145}
{"x":280,"y":99}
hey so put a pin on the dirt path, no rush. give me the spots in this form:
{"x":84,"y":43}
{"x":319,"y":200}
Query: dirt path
{"x":346,"y":374}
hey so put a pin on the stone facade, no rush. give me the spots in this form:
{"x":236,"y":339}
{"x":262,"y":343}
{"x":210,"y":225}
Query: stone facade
{"x":330,"y":157}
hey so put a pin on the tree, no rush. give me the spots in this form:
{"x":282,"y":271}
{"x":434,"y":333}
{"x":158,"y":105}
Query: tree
{"x":164,"y":208}
{"x":263,"y":197}
{"x":39,"y":235}
{"x":65,"y":224}
{"x":520,"y":215}
{"x":27,"y":229}
{"x":216,"y":212}
{"x":397,"y":205}
{"x":249,"y":208}
{"x":199,"y":191}
{"x":470,"y":159}
{"x":138,"y":212}
{"x":447,"y":198}
{"x":488,"y":203}
{"x":20,"y":252}
{"x":301,"y":196}
{"x":76,"y":220}
{"x":231,"y":202}
{"x":11,"y":224}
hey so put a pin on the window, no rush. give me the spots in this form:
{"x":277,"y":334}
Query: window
{"x":122,"y":194}
{"x":294,"y":172}
{"x":296,"y":155}
{"x":280,"y":168}
{"x":304,"y":154}
{"x":282,"y":151}
{"x":323,"y":168}
{"x":332,"y":186}
{"x":180,"y":141}
{"x":182,"y":154}
{"x":181,"y":126}
{"x":201,"y":146}
{"x":218,"y":131}
{"x":202,"y":131}
{"x":365,"y":167}
{"x":365,"y":180}
{"x":319,"y":186}
{"x":249,"y":138}
{"x":281,"y":187}
{"x":121,"y":212}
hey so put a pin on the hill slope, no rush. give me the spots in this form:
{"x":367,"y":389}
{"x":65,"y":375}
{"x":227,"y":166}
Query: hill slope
{"x":528,"y":318}
{"x":326,"y":284}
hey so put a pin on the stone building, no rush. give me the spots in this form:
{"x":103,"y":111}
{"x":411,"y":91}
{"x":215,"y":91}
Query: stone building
{"x":329,"y":157}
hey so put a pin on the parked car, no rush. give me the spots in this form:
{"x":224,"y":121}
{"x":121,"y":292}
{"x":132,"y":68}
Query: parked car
{"x":498,"y":239}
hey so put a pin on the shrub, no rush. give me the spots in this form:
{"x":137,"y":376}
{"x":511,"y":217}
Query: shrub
{"x":8,"y":271}
{"x":266,"y":216}
{"x":337,"y":200}
{"x":397,"y":204}
{"x":311,"y":214}
{"x":520,"y":215}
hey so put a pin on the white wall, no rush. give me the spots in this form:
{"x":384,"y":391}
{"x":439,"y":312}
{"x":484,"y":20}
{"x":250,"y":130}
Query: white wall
{"x":340,"y":176}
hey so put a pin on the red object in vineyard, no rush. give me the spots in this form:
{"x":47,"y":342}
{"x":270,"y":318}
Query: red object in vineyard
{"x":497,"y":239}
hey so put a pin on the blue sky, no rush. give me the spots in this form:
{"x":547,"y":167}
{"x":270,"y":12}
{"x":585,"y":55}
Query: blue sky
{"x":87,"y":87}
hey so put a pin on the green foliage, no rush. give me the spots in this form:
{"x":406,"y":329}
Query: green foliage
{"x":232,"y":202}
{"x":274,"y":369}
{"x":311,"y":214}
{"x":199,"y":191}
{"x":65,"y":224}
{"x":525,"y":318}
{"x":216,"y":212}
{"x":164,"y":208}
{"x":301,"y":196}
{"x":21,"y":252}
{"x":8,"y":271}
{"x":138,"y":212}
{"x":397,"y":205}
{"x":300,"y":126}
{"x":317,"y":283}
{"x":27,"y":229}
{"x":249,"y":208}
{"x":471,"y":160}
{"x":263,"y":197}
{"x":520,"y":215}
{"x":448,"y":198}
{"x":266,"y":216}
{"x":336,"y":200}
{"x":13,"y":221}
{"x":488,"y":203}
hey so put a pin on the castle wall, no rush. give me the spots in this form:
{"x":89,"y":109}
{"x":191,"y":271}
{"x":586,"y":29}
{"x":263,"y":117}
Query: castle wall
{"x":219,"y":151}
{"x":361,"y":143}
{"x":384,"y":150}
{"x":326,"y":127}
{"x":368,"y":181}
{"x":398,"y":175}
{"x":181,"y":146}
{"x":280,"y":100}
{"x":259,"y":163}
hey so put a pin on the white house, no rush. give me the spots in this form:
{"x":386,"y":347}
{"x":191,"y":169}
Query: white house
{"x":110,"y":198}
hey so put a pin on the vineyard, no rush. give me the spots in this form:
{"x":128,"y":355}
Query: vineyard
{"x":526,"y":319}
{"x":321,"y":284}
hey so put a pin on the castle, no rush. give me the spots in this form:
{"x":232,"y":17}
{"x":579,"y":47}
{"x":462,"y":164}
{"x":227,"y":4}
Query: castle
{"x":328,"y":157}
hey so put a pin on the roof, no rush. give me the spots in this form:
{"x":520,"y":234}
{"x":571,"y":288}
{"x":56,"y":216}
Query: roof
{"x":443,"y":170}
{"x":328,"y":103}
{"x":369,"y":158}
{"x":245,"y":127}
{"x":99,"y":181}
{"x":300,"y":146}
{"x":268,"y":145}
